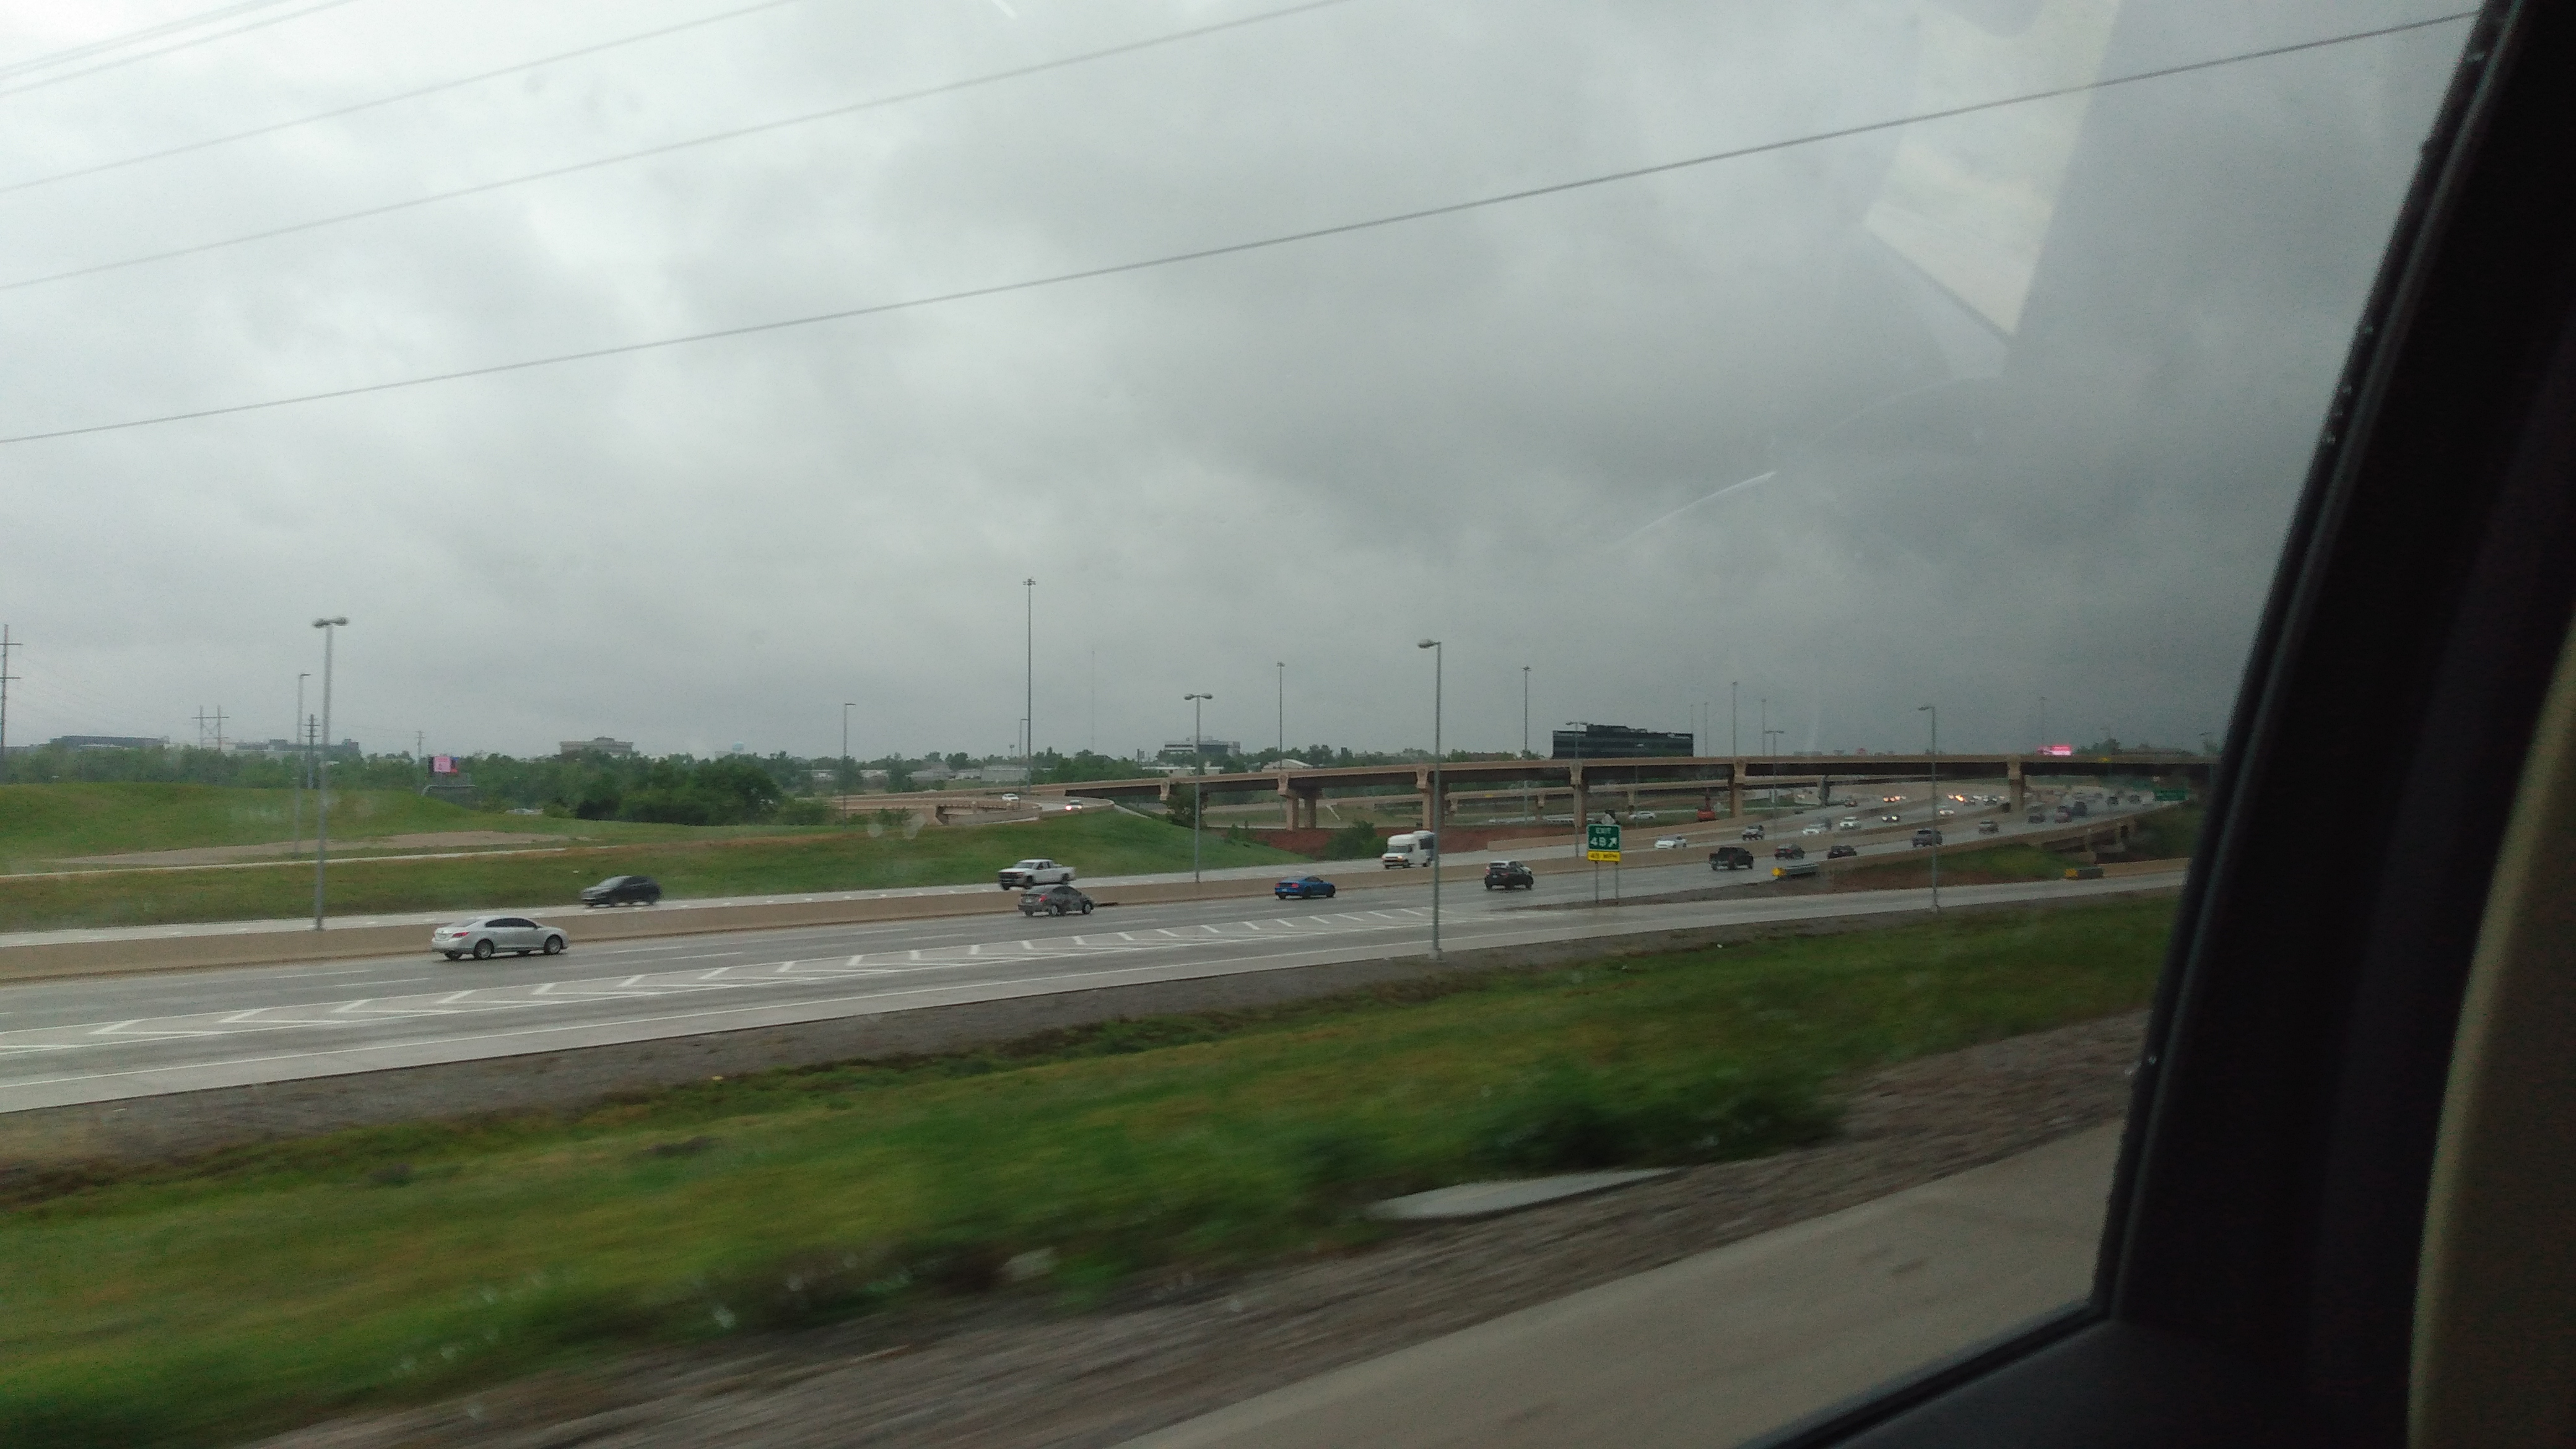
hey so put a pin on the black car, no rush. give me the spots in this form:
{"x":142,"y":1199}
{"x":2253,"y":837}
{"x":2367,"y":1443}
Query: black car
{"x":622,"y":890}
{"x":1730,"y":857}
{"x":1054,"y":900}
{"x":1508,"y":875}
{"x":1791,"y":851}
{"x":1842,"y":852}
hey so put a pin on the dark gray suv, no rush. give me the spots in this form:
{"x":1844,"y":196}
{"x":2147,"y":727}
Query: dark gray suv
{"x":622,"y":890}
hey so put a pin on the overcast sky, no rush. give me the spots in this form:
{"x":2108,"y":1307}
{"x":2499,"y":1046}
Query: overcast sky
{"x":2018,"y":402}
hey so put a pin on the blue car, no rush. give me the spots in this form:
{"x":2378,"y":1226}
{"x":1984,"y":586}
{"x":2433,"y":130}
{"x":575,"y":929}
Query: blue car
{"x":1303,"y":889}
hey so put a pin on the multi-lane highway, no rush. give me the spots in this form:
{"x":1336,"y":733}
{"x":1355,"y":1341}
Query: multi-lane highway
{"x":105,"y":1039}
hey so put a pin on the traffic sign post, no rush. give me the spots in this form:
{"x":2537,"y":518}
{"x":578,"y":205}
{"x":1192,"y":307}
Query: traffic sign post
{"x":1600,"y":844}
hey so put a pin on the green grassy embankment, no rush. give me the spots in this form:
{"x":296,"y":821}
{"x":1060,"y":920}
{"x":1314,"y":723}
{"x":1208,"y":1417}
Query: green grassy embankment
{"x":267,"y":1286}
{"x":1101,"y":843}
{"x":40,"y":824}
{"x":43,"y":824}
{"x":1994,"y":866}
{"x":2171,"y":834}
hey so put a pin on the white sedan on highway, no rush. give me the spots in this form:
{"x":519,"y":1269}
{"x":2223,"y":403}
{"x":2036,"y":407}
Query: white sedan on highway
{"x":1671,"y":842}
{"x":484,"y":937}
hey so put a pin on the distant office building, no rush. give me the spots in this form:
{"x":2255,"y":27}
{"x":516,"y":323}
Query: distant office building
{"x":992,"y":775}
{"x":603,"y":745}
{"x":1618,"y":742}
{"x":1178,"y":751}
{"x":108,"y":742}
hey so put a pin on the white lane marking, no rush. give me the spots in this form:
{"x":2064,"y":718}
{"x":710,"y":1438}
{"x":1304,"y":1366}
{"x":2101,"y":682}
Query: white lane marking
{"x":644,"y":985}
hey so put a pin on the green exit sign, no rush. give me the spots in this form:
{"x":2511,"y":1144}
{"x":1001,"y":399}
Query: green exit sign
{"x":2173,"y":794}
{"x":1601,"y":842}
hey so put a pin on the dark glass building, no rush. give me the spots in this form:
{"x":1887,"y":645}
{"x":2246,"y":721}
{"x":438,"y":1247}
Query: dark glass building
{"x":1618,"y":742}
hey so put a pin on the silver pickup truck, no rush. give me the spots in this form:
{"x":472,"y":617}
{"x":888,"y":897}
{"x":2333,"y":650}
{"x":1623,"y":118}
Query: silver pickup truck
{"x":1030,"y":874}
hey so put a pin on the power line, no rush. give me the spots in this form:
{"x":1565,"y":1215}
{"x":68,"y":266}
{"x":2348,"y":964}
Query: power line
{"x":396,"y":98}
{"x":188,"y":44}
{"x":1227,"y":249}
{"x":666,"y":148}
{"x":148,"y":32}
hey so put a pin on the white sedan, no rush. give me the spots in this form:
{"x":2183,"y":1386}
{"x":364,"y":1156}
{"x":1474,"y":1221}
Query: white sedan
{"x":1671,"y":842}
{"x":484,"y":937}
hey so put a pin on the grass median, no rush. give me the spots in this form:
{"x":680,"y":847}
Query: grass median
{"x":1097,"y":843}
{"x":267,"y":1286}
{"x":2158,"y":835}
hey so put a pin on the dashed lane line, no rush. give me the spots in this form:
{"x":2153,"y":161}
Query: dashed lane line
{"x":652,"y":985}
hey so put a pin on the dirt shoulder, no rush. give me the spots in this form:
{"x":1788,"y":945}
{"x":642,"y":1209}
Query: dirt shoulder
{"x":1014,"y":1370}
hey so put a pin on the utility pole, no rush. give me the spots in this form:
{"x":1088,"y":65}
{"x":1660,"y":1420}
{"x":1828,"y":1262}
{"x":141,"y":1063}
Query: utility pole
{"x":295,"y":786}
{"x":322,"y":779}
{"x":1438,"y":826}
{"x":1029,"y":679}
{"x":1525,"y":749}
{"x":1198,"y":767}
{"x":1283,"y":709}
{"x":6,"y":644}
{"x":201,"y":717}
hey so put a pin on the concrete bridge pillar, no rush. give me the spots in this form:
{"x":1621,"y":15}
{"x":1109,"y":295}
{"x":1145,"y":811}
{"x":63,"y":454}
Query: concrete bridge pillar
{"x":1735,"y":791}
{"x":2020,"y":793}
{"x":1581,"y":797}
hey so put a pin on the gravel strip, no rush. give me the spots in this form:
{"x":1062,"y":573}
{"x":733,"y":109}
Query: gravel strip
{"x":1008,"y":1372}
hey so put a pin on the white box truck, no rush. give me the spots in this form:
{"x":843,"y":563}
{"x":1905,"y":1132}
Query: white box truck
{"x":1409,"y":849}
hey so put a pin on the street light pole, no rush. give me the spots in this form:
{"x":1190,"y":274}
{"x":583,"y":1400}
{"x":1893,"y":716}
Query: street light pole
{"x":1935,"y":760}
{"x":322,"y":776}
{"x":1525,"y":749}
{"x":1283,"y":710}
{"x":1439,"y":827}
{"x":1733,"y":746}
{"x":295,"y":783}
{"x":1198,"y":767}
{"x":1029,"y":683}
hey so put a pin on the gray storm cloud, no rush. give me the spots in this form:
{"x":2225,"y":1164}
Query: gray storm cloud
{"x":2031,"y":393}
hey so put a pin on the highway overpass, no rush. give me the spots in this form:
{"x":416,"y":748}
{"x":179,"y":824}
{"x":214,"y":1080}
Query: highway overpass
{"x":1300,"y":791}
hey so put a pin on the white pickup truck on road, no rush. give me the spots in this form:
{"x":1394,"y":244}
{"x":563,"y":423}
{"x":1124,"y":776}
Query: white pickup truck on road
{"x":1030,"y":874}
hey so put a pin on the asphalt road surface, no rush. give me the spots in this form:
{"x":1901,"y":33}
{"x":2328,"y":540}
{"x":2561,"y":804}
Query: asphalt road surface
{"x":106,"y":1039}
